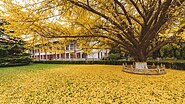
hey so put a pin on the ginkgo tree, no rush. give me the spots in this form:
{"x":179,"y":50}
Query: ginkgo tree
{"x":133,"y":24}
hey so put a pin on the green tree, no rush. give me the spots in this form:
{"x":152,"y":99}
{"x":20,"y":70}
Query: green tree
{"x":12,"y":49}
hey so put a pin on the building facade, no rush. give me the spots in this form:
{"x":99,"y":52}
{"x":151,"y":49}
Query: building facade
{"x":70,"y":52}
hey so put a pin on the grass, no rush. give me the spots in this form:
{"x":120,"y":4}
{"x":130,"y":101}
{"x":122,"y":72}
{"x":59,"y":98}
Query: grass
{"x":83,"y":84}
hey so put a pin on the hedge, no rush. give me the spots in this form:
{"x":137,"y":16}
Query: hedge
{"x":82,"y":62}
{"x":173,"y":65}
{"x":15,"y":61}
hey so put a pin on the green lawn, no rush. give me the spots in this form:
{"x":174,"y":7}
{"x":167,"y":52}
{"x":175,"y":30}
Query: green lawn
{"x":83,"y":84}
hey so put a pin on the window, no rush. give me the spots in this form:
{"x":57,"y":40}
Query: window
{"x":67,"y":55}
{"x":67,"y":47}
{"x":36,"y":51}
{"x":71,"y":55}
{"x":58,"y":56}
{"x":78,"y":55}
{"x":63,"y":55}
{"x":71,"y":46}
{"x":84,"y":55}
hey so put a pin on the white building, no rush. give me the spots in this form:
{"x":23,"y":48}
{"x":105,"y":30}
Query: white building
{"x":70,"y":52}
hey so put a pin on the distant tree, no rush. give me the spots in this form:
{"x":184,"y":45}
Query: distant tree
{"x":173,"y":51}
{"x":12,"y":49}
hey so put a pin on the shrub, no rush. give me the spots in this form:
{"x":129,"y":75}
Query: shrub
{"x":114,"y":56}
{"x":173,"y":65}
{"x":15,"y":61}
{"x":108,"y":62}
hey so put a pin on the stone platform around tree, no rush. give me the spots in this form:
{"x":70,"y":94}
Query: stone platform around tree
{"x":150,"y":70}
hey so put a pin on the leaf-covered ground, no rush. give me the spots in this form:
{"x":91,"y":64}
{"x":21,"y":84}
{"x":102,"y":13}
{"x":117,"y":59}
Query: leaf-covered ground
{"x":88,"y":84}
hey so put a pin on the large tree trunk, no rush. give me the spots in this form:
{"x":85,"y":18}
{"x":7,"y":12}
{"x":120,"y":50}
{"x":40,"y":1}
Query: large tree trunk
{"x":139,"y":55}
{"x":140,"y":58}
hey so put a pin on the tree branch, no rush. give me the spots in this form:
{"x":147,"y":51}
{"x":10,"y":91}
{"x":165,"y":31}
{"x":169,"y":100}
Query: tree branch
{"x":124,"y":10}
{"x":158,"y":46}
{"x":87,"y":7}
{"x":138,"y":10}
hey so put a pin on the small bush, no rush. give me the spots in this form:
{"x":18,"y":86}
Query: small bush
{"x":15,"y":61}
{"x":108,"y":62}
{"x":173,"y":65}
{"x":114,"y":56}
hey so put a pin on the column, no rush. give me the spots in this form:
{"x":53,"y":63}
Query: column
{"x":75,"y":55}
{"x":69,"y":47}
{"x":98,"y":55}
{"x":33,"y":53}
{"x":69,"y":56}
{"x":80,"y":55}
{"x":60,"y":56}
{"x":101,"y":54}
{"x":46,"y":55}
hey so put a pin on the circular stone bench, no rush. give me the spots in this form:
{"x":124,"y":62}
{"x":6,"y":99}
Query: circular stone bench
{"x":151,"y":70}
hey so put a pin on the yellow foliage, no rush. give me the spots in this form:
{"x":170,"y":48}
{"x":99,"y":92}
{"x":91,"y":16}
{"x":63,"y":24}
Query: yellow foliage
{"x":87,"y":84}
{"x":129,"y":23}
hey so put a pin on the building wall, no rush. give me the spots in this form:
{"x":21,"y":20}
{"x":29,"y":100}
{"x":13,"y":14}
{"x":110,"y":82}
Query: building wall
{"x":71,"y":53}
